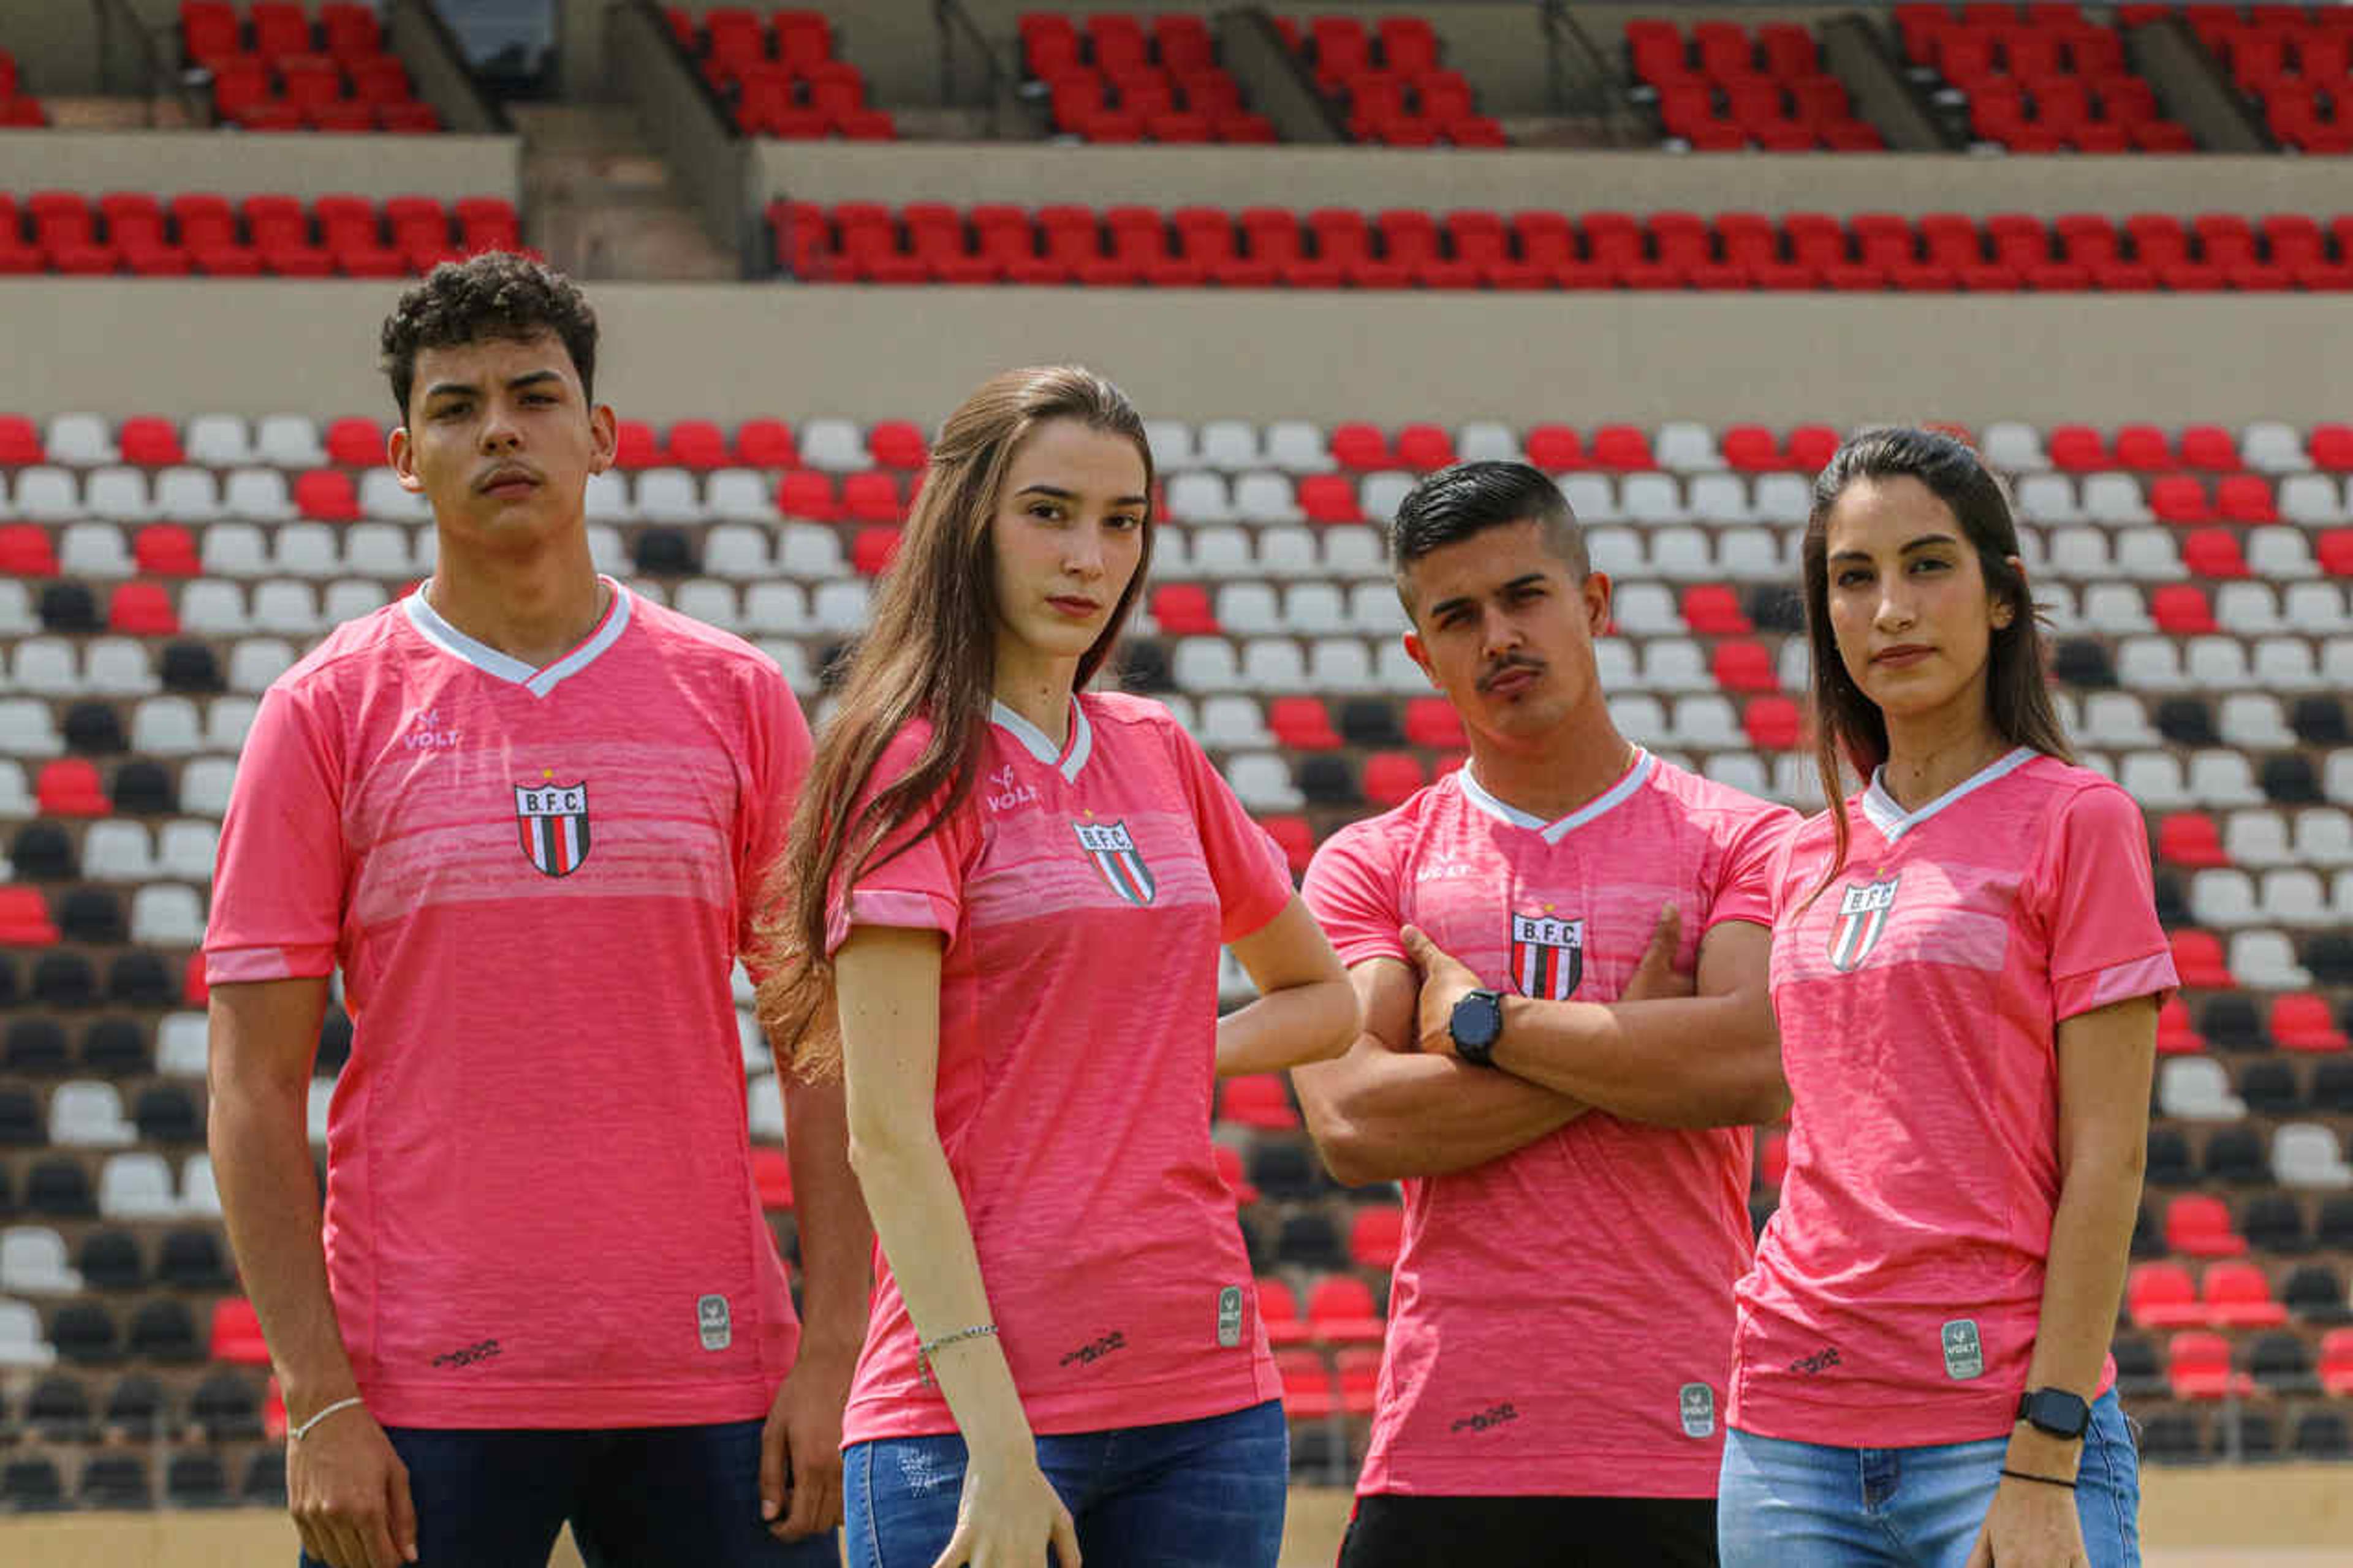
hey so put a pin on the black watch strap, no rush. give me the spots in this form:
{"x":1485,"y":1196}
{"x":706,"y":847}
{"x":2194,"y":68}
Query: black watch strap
{"x":2056,"y":1412}
{"x":1475,"y":1025}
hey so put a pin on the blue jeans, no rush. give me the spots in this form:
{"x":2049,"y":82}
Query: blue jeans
{"x":1187,"y":1494}
{"x":1805,"y":1505}
{"x":646,"y":1497}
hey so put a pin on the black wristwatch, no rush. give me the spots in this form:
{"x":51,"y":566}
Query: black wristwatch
{"x":2055,"y":1410}
{"x":1476,"y":1024}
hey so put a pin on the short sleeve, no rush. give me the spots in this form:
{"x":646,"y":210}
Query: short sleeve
{"x":777,"y":739}
{"x":281,"y":872}
{"x":1249,"y":869}
{"x":2098,"y":904}
{"x":1752,"y":850}
{"x":918,"y":881}
{"x":1351,"y":891}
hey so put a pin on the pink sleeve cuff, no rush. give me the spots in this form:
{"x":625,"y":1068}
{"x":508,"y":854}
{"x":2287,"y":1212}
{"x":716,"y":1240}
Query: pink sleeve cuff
{"x":1359,"y":950}
{"x":2151,"y":976}
{"x":240,"y":965}
{"x":888,"y":907}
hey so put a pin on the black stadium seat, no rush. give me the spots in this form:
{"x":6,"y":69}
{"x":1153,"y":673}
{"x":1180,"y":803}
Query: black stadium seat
{"x":2274,"y":1223}
{"x":94,"y":730}
{"x":164,"y":1331}
{"x":36,"y":1048}
{"x":112,"y":1260}
{"x":116,"y":1482}
{"x":114,"y":1047}
{"x":190,"y":667}
{"x":31,"y":1485}
{"x":140,"y":979}
{"x":64,"y":980}
{"x":58,"y":1410}
{"x":42,"y":852}
{"x":191,"y":1259}
{"x":60,"y":1189}
{"x":196,"y":1479}
{"x":135,"y":1407}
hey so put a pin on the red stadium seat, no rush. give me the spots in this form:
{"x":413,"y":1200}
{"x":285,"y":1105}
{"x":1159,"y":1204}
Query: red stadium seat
{"x":1375,"y":1235}
{"x":1301,"y":723}
{"x":2182,"y":609}
{"x":2177,"y":1033}
{"x":1182,"y":610}
{"x":69,"y":786}
{"x":1258,"y":1100}
{"x":2190,"y":839}
{"x":1278,"y":1309}
{"x":2213,"y":552}
{"x":355,"y":443}
{"x":166,"y":550}
{"x":142,"y":609}
{"x":24,"y":918}
{"x":2197,"y":959}
{"x":2303,"y":1022}
{"x":1230,"y":1170}
{"x":1340,"y":1311}
{"x":2077,"y":449}
{"x":808,"y":493}
{"x":2336,"y":1363}
{"x":1308,"y":1394}
{"x":871,"y":497}
{"x":237,"y":1334}
{"x":1741,"y":665}
{"x":1622,"y":446}
{"x":772,"y":1176}
{"x":1712,"y":609}
{"x":148,"y":441}
{"x":1392,"y":777}
{"x":1291,"y":833}
{"x":1556,"y":448}
{"x":766,"y":444}
{"x":1328,"y":498}
{"x":2238,"y":1296}
{"x":2179,"y":498}
{"x":327,"y":495}
{"x":873,"y":550}
{"x":20,"y":443}
{"x":2161,"y":1295}
{"x":25,"y":550}
{"x":2199,"y":1225}
{"x":2198,"y":1365}
{"x":1432,"y":723}
{"x":1773,"y":723}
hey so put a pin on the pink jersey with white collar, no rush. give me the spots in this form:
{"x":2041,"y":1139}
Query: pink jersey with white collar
{"x":1084,"y":892}
{"x":1560,"y":1318}
{"x":1896,"y":1290}
{"x":540,"y":1206}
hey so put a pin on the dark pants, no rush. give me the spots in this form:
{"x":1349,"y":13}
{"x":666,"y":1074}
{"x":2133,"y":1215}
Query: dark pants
{"x":648,"y":1496}
{"x":1394,"y":1531}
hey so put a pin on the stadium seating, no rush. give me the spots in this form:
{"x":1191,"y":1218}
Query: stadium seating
{"x":2041,"y":81}
{"x":1125,"y":78}
{"x":779,"y":75}
{"x":209,"y":236}
{"x":1387,"y":82}
{"x":277,"y":68}
{"x":1722,"y":88}
{"x":1130,"y":246}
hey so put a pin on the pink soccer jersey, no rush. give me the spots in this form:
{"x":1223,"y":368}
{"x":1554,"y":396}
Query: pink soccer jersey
{"x":1896,"y":1291}
{"x":1082,"y":893}
{"x":540,"y":1206}
{"x":1560,"y":1318}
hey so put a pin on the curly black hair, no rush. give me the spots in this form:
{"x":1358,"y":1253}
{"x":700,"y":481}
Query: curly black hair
{"x":495,"y":295}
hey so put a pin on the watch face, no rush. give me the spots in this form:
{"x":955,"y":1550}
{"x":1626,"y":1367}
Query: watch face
{"x":1477,"y":1020}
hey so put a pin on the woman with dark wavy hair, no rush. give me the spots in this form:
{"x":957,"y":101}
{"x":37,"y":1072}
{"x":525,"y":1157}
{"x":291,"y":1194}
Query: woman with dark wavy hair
{"x":1966,"y":969}
{"x":1011,"y":890}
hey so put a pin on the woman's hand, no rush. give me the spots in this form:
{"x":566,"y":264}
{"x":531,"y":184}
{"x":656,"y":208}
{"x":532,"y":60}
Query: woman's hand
{"x":2030,"y":1525}
{"x":1008,"y":1515}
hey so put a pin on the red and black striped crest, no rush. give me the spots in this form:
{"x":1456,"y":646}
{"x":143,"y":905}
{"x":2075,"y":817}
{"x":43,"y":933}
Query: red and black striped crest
{"x":1547,"y":956}
{"x":553,"y":821}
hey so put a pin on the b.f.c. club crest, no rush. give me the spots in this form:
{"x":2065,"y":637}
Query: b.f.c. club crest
{"x":1863,"y":913}
{"x":553,"y":821}
{"x":1113,"y":851}
{"x":1547,"y":956}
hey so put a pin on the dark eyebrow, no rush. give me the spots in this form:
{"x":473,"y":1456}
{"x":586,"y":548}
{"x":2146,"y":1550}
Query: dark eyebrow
{"x":1058,"y":493}
{"x":1926,"y":539}
{"x":467,"y":388}
{"x":1521,"y":581}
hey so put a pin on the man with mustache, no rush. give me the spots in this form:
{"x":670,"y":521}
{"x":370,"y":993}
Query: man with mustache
{"x":526,"y":814}
{"x":1569,"y":1121}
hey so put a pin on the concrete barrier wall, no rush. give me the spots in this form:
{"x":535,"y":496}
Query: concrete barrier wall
{"x":1506,"y":180}
{"x":236,"y":165}
{"x":732,"y":350}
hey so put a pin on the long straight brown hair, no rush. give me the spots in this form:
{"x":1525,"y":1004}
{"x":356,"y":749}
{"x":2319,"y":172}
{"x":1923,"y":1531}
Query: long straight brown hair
{"x":930,"y":652}
{"x":1848,"y":726}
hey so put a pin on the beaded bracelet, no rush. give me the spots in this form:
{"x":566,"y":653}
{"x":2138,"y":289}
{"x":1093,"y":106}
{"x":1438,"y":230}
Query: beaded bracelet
{"x":926,"y":1349}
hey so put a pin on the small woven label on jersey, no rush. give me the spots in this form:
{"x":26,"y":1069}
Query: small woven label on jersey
{"x":712,"y":1317}
{"x":1964,"y":1351}
{"x":1229,"y":1317}
{"x":1698,"y":1402}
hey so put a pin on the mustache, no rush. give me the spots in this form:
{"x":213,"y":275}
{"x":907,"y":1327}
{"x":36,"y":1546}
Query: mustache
{"x":1505,"y":667}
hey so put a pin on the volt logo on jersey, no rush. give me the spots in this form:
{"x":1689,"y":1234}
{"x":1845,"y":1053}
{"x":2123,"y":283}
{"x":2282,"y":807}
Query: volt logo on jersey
{"x":1863,"y":911}
{"x":1547,"y":956}
{"x":553,"y":821}
{"x":1113,"y":850}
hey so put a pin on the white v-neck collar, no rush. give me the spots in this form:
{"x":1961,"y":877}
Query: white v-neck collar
{"x":1041,"y":745}
{"x":1553,"y":832}
{"x":1894,"y":822}
{"x":506,"y":666}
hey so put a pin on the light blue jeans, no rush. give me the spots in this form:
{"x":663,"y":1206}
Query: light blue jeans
{"x":1807,"y":1505}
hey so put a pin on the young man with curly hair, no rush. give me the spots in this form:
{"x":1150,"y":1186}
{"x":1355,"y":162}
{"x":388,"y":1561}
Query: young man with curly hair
{"x":525,"y":813}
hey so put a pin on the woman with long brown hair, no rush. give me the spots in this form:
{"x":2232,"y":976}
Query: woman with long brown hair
{"x":1010,"y":891}
{"x":1966,"y":969}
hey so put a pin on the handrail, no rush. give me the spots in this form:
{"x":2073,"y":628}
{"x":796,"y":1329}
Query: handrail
{"x":1565,"y":36}
{"x":161,"y":79}
{"x":951,"y":19}
{"x":488,"y":109}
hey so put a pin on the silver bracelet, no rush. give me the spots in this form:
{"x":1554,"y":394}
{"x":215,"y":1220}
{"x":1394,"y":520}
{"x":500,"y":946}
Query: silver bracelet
{"x":926,"y":1349}
{"x":299,"y":1433}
